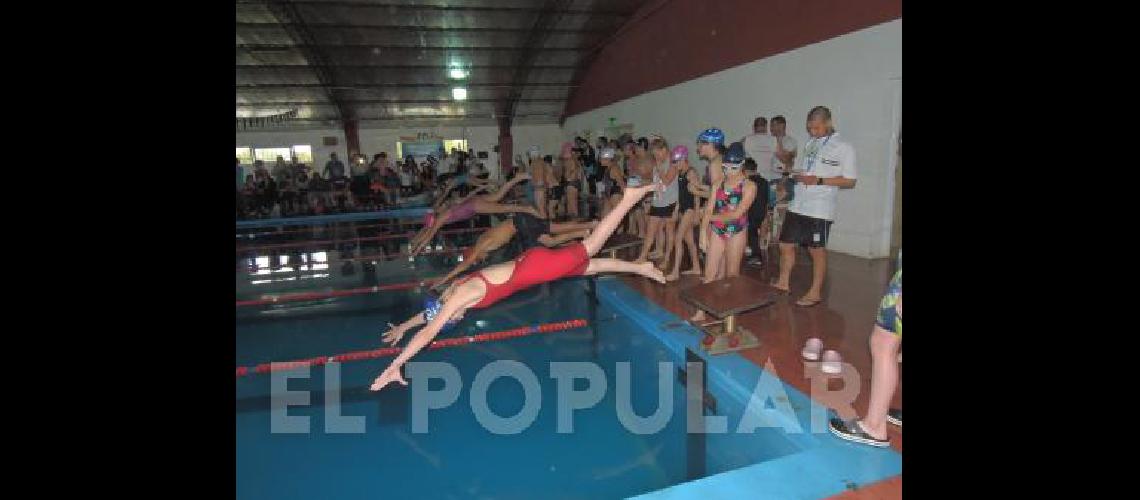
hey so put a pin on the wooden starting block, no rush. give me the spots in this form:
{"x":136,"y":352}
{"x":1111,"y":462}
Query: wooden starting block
{"x":620,"y":241}
{"x":725,"y":299}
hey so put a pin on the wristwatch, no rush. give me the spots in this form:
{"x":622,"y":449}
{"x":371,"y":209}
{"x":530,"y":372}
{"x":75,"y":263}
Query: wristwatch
{"x":819,"y":181}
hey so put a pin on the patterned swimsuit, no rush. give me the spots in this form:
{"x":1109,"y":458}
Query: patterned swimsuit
{"x":727,"y":202}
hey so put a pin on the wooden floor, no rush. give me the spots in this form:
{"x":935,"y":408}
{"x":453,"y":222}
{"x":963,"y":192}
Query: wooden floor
{"x":843,"y":321}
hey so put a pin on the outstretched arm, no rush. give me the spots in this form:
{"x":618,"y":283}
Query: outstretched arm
{"x":555,"y":240}
{"x":457,"y":303}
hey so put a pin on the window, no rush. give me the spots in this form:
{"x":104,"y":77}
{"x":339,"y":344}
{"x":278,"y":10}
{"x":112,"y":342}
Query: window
{"x":269,"y":155}
{"x":420,"y":149}
{"x":303,"y":153}
{"x":245,"y":155}
{"x":460,"y":144}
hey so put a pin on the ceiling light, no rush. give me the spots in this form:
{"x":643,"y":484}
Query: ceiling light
{"x":457,"y":74}
{"x":459,"y":93}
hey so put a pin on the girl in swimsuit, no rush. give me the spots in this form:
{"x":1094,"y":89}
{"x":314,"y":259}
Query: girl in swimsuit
{"x":538,"y":179}
{"x":495,"y":283}
{"x":473,"y":204}
{"x":572,"y":173}
{"x":689,"y":189}
{"x":608,"y":159}
{"x":663,"y":209}
{"x":727,"y":216}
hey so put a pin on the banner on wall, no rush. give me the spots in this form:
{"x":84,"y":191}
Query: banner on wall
{"x":421,"y":149}
{"x":262,"y":121}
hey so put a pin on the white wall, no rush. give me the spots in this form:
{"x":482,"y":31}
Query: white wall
{"x":372,"y":141}
{"x":857,"y":75}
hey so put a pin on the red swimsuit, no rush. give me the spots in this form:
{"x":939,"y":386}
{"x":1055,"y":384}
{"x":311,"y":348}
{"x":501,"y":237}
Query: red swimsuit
{"x":536,"y":266}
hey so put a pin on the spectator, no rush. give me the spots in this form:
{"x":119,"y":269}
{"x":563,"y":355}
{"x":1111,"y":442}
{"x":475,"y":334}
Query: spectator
{"x":240,"y":175}
{"x":334,"y":169}
{"x":280,"y":170}
{"x":758,"y":146}
{"x":826,"y":166}
{"x":259,"y":170}
{"x":297,"y":168}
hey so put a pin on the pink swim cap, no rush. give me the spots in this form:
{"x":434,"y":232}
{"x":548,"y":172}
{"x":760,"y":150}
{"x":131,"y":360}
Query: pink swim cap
{"x":567,"y":149}
{"x":680,"y":152}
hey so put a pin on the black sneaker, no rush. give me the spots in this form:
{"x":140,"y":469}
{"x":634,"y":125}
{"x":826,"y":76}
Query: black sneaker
{"x":894,"y":416}
{"x":853,"y":432}
{"x":756,"y":262}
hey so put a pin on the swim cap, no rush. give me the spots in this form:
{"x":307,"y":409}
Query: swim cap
{"x":712,"y":135}
{"x":680,"y":152}
{"x":432,"y":307}
{"x":606,"y":154}
{"x":735,"y":154}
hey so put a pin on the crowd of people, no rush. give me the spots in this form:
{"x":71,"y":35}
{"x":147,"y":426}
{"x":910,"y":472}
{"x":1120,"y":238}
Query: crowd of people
{"x":294,"y":188}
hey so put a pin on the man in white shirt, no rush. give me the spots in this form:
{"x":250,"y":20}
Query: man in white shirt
{"x":826,"y":165}
{"x":758,"y":146}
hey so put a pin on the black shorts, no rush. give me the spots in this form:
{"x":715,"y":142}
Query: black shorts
{"x":666,"y":211}
{"x":803,"y":230}
{"x":554,"y":193}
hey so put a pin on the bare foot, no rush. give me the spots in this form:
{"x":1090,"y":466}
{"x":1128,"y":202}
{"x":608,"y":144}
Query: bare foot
{"x":672,"y":277}
{"x":783,"y":287}
{"x":639,"y":260}
{"x":650,"y":271}
{"x":693,"y":272}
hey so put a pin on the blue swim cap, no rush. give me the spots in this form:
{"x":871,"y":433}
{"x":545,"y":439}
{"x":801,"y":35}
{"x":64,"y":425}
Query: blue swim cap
{"x":735,"y":154}
{"x":432,"y":306}
{"x":713,"y":135}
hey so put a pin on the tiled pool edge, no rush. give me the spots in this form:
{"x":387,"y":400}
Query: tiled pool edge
{"x":825,"y":466}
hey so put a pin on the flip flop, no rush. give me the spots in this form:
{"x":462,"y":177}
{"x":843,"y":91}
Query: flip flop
{"x":808,"y":303}
{"x":852,"y":431}
{"x":894,"y":416}
{"x":812,"y":349}
{"x":832,"y":362}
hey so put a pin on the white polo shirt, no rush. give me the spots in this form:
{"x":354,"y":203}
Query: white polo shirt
{"x":828,"y":156}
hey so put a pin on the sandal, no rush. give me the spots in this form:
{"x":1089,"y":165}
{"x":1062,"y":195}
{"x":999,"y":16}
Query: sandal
{"x":812,"y":349}
{"x":853,"y":431}
{"x":894,"y":416}
{"x":832,"y":363}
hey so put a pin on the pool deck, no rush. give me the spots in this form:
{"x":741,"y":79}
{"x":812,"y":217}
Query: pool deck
{"x":843,"y":321}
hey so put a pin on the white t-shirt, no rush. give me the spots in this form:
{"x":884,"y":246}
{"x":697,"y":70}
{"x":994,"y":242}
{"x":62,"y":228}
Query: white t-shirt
{"x":828,"y":156}
{"x":759,"y":147}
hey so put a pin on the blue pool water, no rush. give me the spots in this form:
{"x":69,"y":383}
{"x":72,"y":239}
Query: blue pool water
{"x":458,"y":458}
